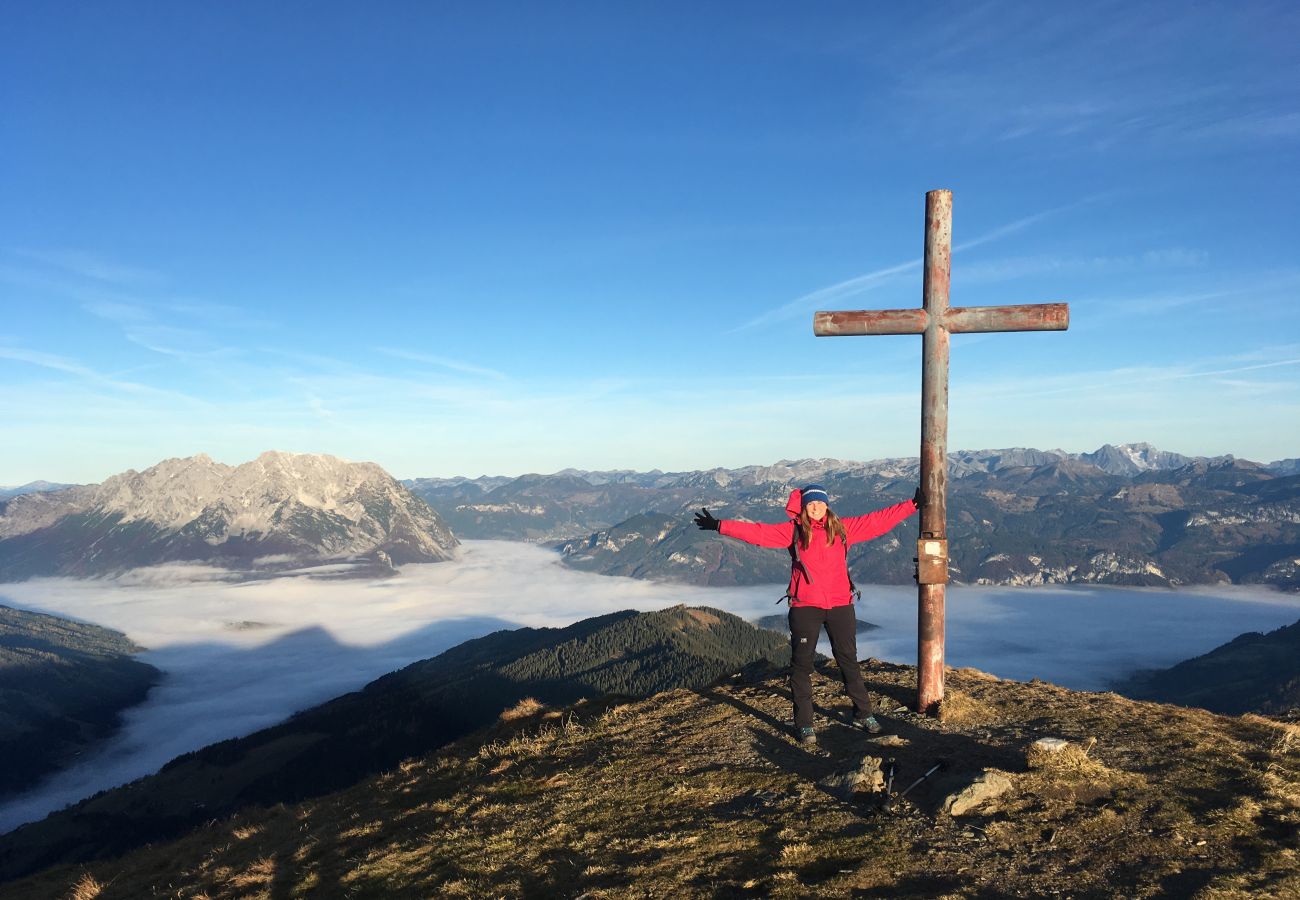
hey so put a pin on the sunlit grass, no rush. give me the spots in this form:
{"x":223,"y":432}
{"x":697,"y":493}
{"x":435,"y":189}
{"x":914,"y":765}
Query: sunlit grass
{"x":704,"y":793}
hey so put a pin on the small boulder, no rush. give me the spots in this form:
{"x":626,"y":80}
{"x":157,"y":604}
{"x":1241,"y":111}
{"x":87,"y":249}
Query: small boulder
{"x":1045,"y":751}
{"x":985,"y":786}
{"x":868,"y":777}
{"x":889,"y":740}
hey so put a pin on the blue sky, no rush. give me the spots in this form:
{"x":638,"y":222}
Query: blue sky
{"x":461,"y":238}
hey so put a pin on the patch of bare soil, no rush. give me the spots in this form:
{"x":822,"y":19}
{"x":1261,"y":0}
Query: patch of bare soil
{"x":705,"y":793}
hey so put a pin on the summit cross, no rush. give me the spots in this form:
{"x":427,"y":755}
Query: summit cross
{"x":935,"y":320}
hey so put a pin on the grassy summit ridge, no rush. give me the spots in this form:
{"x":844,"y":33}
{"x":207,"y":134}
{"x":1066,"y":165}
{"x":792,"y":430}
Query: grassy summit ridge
{"x":697,"y":793}
{"x":406,"y":713}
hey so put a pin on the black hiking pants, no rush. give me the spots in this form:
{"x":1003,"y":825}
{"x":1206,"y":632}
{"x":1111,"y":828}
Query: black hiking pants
{"x":841,"y":625}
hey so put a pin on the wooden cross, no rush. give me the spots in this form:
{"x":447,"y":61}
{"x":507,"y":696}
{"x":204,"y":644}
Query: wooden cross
{"x":934,"y":321}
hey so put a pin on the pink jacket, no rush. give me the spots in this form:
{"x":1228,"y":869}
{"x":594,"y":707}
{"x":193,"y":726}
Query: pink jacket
{"x":827,"y":565}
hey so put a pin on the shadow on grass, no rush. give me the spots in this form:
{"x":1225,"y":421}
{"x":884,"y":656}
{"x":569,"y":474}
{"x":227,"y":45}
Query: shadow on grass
{"x":841,"y":747}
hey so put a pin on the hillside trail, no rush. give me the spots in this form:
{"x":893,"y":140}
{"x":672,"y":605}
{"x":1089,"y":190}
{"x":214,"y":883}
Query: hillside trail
{"x":704,"y":793}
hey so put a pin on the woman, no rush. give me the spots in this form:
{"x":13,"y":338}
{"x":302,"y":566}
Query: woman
{"x":820,"y":592}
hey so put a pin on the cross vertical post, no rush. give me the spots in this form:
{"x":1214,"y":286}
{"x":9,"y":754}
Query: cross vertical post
{"x":935,"y":320}
{"x":934,"y":448}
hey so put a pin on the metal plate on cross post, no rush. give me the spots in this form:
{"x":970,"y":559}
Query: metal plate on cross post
{"x":932,"y":561}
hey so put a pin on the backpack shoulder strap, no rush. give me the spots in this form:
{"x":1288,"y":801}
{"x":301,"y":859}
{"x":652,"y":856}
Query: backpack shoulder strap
{"x":795,"y":561}
{"x":853,"y":588}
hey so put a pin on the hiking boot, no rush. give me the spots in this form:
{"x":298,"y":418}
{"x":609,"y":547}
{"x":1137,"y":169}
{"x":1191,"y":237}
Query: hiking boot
{"x":807,"y":736}
{"x":867,"y":724}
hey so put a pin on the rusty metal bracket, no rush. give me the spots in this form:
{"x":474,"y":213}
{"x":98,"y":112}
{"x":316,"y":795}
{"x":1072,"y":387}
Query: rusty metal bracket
{"x":932,"y":561}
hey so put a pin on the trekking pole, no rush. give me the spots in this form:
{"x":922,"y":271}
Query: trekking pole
{"x":934,"y":768}
{"x":889,"y":769}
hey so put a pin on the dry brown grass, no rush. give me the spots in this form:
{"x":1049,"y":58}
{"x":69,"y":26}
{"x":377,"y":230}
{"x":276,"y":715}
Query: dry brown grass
{"x":529,"y":706}
{"x":960,"y":708}
{"x":1070,"y":758}
{"x":1286,"y":734}
{"x":85,"y":888}
{"x":700,"y":794}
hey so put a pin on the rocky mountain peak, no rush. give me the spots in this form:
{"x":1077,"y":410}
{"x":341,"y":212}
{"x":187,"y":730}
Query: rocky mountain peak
{"x":297,"y":504}
{"x":1130,"y":459}
{"x":168,"y":494}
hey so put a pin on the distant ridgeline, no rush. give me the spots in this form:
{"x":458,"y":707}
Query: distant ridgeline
{"x":781,"y":622}
{"x":1251,"y":673}
{"x":62,"y":685}
{"x":403,"y":714}
{"x":1129,"y":515}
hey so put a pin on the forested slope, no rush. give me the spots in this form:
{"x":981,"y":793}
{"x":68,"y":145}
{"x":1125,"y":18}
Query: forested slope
{"x":62,"y":687}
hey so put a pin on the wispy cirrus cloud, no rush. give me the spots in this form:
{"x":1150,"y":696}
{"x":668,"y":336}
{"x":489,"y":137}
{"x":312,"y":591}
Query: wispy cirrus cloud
{"x":92,"y":266}
{"x":62,"y":286}
{"x":1051,"y":93}
{"x":67,"y":366}
{"x":814,"y":300}
{"x":443,"y":362}
{"x":1107,"y":309}
{"x":136,"y":300}
{"x":149,"y":325}
{"x":225,"y":315}
{"x":1010,"y":268}
{"x":118,"y":311}
{"x":1017,"y":226}
{"x":1112,"y":380}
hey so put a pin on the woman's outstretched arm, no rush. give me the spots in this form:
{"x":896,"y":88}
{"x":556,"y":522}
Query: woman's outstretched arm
{"x":874,"y":524}
{"x":759,"y":533}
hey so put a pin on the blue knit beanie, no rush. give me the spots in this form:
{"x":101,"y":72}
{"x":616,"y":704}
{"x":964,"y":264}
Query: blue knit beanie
{"x":814,"y":492}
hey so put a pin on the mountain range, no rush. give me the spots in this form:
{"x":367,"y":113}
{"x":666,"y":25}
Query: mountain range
{"x":574,"y":502}
{"x":280,"y":509}
{"x":1126,"y":515}
{"x":32,"y":487}
{"x":1122,"y":515}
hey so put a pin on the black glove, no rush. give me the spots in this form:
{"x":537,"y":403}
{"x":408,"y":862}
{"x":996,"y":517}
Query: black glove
{"x":919,"y":498}
{"x":705,"y":522}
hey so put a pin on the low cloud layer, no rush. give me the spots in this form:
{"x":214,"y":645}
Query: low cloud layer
{"x":240,"y":656}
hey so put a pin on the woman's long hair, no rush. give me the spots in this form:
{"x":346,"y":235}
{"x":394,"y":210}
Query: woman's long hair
{"x":834,"y":528}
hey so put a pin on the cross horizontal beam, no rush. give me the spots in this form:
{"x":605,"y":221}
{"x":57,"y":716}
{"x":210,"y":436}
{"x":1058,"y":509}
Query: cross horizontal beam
{"x":955,"y":319}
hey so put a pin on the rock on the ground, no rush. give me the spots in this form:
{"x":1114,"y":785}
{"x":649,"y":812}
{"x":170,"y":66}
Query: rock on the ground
{"x":1048,"y":752}
{"x":889,"y":740}
{"x":866,"y":778}
{"x":987,"y":785}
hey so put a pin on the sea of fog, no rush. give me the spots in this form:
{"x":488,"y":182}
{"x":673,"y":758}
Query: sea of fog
{"x":242,"y":655}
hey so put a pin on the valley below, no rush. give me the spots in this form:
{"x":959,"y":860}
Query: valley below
{"x":242,"y":655}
